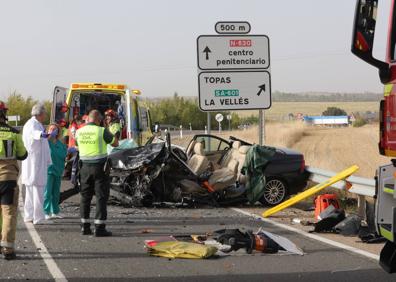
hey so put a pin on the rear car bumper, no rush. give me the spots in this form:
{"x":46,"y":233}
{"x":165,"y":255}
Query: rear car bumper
{"x":297,"y":182}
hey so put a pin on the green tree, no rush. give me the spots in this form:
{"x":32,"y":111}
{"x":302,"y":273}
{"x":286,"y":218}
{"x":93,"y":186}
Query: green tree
{"x":19,"y":105}
{"x":359,"y":122}
{"x":22,"y":106}
{"x":334,"y":111}
{"x":184,"y":111}
{"x":252,"y":119}
{"x":48,"y":106}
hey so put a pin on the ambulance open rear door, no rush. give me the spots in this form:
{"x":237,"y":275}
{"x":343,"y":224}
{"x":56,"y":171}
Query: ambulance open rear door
{"x":59,"y":108}
{"x":132,"y":117}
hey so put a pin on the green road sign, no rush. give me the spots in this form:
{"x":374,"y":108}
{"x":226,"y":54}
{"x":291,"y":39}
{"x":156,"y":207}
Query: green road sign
{"x":227,"y":93}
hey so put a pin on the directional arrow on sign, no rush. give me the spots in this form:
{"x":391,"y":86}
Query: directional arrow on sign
{"x":262,"y":88}
{"x":207,"y":51}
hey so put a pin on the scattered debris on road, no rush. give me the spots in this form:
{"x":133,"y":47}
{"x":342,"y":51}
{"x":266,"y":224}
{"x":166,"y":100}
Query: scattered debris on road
{"x":330,"y":217}
{"x":249,"y":241}
{"x":146,"y":231}
{"x":349,"y":226}
{"x":221,"y":243}
{"x":302,"y":222}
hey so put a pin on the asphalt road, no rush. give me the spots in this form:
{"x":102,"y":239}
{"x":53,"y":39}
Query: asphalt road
{"x":123,"y":257}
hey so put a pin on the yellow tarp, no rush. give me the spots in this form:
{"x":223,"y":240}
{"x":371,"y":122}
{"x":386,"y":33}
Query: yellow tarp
{"x":176,"y":249}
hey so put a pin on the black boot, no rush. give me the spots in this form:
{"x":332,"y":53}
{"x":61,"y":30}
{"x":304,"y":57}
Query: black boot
{"x":8,"y":253}
{"x":100,"y":231}
{"x":86,"y":229}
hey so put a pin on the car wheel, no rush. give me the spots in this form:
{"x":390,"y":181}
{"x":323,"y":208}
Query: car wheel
{"x":275,"y":192}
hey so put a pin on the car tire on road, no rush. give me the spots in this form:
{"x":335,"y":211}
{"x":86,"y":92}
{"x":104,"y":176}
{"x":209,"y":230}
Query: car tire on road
{"x":275,"y":192}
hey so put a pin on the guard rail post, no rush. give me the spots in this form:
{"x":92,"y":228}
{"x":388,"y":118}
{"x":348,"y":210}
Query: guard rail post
{"x":362,"y":206}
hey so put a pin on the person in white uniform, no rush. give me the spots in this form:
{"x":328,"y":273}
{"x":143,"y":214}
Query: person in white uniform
{"x":34,"y":167}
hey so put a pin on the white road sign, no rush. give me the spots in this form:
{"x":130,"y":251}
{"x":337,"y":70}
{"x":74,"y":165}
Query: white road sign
{"x":219,"y":117}
{"x":217,"y":52}
{"x":232,"y":27}
{"x":14,"y":118}
{"x":234,"y":90}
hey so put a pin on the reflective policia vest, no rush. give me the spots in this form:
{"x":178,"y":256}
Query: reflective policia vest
{"x":11,"y":144}
{"x":90,"y":142}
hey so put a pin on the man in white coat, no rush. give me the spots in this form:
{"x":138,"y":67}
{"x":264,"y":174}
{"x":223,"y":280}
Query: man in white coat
{"x":34,"y":167}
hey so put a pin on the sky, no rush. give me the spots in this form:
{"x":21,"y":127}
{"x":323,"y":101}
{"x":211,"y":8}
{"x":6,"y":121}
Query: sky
{"x":151,"y":45}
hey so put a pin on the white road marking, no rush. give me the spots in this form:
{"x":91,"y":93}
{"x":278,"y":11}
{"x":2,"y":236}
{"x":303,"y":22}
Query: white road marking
{"x":45,"y":255}
{"x":309,"y":235}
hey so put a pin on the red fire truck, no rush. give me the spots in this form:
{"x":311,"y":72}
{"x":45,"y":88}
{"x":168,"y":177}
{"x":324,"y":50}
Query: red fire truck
{"x":362,"y":46}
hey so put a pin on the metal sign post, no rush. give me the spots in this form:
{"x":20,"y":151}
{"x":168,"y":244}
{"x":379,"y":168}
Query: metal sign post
{"x":229,"y":117}
{"x":219,"y":118}
{"x":261,"y":128}
{"x":181,"y":131}
{"x":208,"y":123}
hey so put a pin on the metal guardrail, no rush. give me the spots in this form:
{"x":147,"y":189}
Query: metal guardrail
{"x":360,"y":185}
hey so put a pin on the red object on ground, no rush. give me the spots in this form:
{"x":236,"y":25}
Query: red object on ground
{"x":323,"y":201}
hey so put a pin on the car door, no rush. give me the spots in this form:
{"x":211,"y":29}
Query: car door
{"x":58,"y":111}
{"x":214,"y":147}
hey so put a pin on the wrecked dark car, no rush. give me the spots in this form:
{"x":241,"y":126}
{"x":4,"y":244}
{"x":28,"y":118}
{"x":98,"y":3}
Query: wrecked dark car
{"x":148,"y":174}
{"x":211,"y":171}
{"x":285,"y":171}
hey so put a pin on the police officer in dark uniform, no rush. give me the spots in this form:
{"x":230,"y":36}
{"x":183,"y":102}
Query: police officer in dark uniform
{"x":12,"y":149}
{"x":92,"y":140}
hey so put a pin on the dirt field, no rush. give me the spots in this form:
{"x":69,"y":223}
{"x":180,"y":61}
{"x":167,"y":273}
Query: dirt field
{"x":327,"y":148}
{"x":335,"y":149}
{"x":282,"y":109}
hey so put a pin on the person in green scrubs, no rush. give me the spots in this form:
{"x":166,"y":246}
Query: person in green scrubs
{"x":55,"y":170}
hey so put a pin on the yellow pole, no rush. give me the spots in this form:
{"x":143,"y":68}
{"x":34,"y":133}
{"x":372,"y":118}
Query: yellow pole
{"x":312,"y":191}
